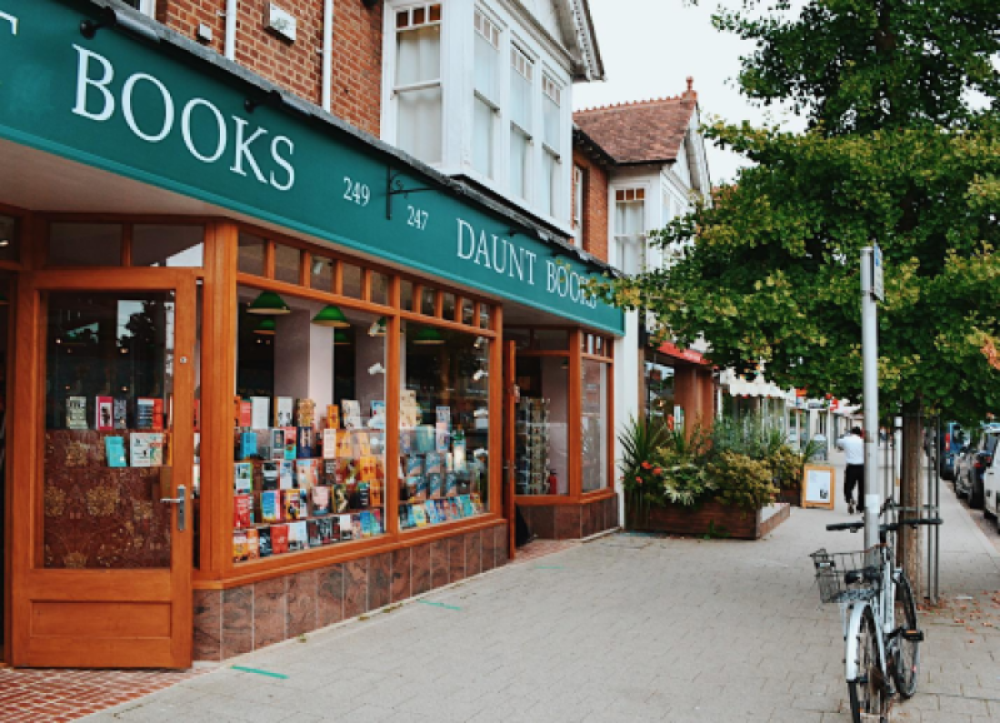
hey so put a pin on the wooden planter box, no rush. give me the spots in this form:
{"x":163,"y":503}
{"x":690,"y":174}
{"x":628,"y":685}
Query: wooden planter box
{"x":791,"y":495}
{"x":723,"y":520}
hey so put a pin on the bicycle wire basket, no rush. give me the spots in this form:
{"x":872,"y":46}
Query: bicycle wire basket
{"x":845,"y":576}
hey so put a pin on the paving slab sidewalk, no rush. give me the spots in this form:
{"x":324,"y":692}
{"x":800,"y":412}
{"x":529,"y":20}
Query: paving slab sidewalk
{"x":623,"y":628}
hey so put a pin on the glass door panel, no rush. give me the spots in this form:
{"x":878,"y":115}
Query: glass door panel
{"x":109,"y":383}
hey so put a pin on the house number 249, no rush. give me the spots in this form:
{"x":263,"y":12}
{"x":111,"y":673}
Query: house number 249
{"x":356,"y":192}
{"x":417,"y":218}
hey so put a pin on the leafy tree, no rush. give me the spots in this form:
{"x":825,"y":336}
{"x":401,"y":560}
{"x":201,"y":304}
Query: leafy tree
{"x":898,"y":151}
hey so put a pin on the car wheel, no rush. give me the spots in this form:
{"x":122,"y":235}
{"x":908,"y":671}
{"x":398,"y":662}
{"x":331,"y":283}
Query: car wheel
{"x":976,"y":496}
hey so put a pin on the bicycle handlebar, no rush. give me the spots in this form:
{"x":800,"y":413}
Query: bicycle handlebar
{"x":855,"y":526}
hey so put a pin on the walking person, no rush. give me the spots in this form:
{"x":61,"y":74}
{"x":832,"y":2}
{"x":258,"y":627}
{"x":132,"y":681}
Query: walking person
{"x":854,"y":454}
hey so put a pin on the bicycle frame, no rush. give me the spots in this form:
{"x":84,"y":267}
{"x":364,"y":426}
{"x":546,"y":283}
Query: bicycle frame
{"x":883,"y":611}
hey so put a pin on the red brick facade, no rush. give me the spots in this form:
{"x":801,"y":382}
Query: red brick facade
{"x":595,"y":205}
{"x":297,"y":67}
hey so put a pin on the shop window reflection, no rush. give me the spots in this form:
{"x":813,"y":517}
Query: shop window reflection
{"x":444,"y":427}
{"x":659,"y":391}
{"x":595,"y":430}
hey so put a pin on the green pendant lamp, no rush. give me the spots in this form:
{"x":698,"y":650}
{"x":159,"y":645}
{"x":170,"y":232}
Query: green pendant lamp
{"x":378,"y":327}
{"x":269,"y":303}
{"x":332,"y":316}
{"x":266,"y":327}
{"x":428,"y":336}
{"x":340,"y":338}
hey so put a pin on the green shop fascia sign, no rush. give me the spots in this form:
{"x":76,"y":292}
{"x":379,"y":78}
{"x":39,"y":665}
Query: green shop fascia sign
{"x":159,"y":114}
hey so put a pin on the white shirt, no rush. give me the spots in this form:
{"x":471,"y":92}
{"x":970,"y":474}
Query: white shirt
{"x":854,"y":448}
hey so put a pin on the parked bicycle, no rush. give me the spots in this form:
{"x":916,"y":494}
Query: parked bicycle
{"x":882,"y":635}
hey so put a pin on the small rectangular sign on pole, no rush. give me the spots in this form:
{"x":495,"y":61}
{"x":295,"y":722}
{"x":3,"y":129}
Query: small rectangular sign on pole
{"x":878,"y":290}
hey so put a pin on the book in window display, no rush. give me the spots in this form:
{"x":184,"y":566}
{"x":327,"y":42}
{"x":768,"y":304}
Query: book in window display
{"x":356,"y":531}
{"x":270,"y":506}
{"x":270,"y":476}
{"x":248,"y":445}
{"x":377,"y":420}
{"x":330,"y":443}
{"x":242,"y":511}
{"x":120,"y":413}
{"x":253,"y":544}
{"x":146,"y":449}
{"x":277,"y":444}
{"x":340,"y":501}
{"x":239,"y":545}
{"x":114,"y":448}
{"x":304,"y":442}
{"x":286,"y":475}
{"x":346,"y":528}
{"x":352,"y":414}
{"x":332,"y":416}
{"x":284,"y":408}
{"x":306,"y":474}
{"x":104,"y":415}
{"x":76,"y":413}
{"x":264,"y":542}
{"x":291,"y":505}
{"x":291,"y":443}
{"x":298,"y":536}
{"x":312,"y":529}
{"x":320,"y":500}
{"x":260,"y":413}
{"x":243,"y":477}
{"x":305,"y":413}
{"x":279,"y":539}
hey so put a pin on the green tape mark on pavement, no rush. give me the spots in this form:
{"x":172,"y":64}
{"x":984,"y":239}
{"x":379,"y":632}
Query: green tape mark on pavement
{"x":268,"y":673}
{"x":438,"y":605}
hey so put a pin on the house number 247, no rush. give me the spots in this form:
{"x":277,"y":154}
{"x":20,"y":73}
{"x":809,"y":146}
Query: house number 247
{"x":417,"y":218}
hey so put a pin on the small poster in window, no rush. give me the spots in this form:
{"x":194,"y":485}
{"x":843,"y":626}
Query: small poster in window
{"x":377,"y":420}
{"x":260,"y":413}
{"x":105,"y":419}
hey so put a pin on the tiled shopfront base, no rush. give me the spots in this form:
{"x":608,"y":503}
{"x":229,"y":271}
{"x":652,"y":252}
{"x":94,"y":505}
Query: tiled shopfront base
{"x":571,"y":522}
{"x":241,"y":619}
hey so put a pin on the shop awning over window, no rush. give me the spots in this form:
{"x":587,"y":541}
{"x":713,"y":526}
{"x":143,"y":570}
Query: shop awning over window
{"x":687,"y":355}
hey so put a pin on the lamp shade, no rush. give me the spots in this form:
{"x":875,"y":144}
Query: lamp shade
{"x":428,"y":336}
{"x":331,"y":315}
{"x":341,"y":338}
{"x":267,"y":327}
{"x":378,"y":327}
{"x":269,"y":303}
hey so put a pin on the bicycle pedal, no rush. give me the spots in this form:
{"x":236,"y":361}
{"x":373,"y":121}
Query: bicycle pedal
{"x":914,"y":636}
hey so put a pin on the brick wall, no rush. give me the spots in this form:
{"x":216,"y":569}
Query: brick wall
{"x":297,"y":67}
{"x":595,"y":206}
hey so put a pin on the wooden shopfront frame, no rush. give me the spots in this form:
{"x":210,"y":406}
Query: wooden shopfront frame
{"x":579,"y":342}
{"x":218,"y":570}
{"x":44,"y":599}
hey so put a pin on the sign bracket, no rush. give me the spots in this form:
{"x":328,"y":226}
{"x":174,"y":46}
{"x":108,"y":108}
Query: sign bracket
{"x":394,"y":187}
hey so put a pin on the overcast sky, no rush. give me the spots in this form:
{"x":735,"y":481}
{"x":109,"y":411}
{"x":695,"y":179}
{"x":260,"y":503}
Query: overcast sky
{"x":650,"y":47}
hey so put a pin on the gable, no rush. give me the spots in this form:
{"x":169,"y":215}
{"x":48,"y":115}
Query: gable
{"x":568,"y":23}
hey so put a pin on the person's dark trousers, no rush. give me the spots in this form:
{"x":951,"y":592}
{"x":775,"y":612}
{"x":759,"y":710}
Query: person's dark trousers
{"x":854,"y":476}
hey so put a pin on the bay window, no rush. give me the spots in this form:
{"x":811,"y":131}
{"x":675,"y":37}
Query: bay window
{"x":486,"y":101}
{"x":522,"y":71}
{"x":417,"y":85}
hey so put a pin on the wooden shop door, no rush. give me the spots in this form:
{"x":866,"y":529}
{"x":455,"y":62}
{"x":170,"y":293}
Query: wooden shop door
{"x":510,"y":398}
{"x":103,"y":524}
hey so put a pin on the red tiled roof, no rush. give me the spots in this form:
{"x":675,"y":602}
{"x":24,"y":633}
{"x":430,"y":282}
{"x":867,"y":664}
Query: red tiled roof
{"x":649,"y":131}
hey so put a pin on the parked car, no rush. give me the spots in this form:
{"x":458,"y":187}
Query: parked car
{"x":991,"y":494}
{"x":970,"y":478}
{"x":953,"y":438}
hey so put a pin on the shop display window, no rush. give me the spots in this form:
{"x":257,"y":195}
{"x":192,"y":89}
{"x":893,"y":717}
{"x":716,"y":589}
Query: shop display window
{"x":444,"y":416}
{"x":85,"y":244}
{"x":541,"y":443}
{"x":252,"y":250}
{"x":166,"y":245}
{"x":594,"y":431}
{"x":309,"y":426}
{"x":10,"y":248}
{"x":108,"y":424}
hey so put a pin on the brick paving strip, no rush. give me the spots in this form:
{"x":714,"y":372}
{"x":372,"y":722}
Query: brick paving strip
{"x":54,"y":696}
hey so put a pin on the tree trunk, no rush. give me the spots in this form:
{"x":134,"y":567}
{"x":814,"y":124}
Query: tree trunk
{"x":908,"y":541}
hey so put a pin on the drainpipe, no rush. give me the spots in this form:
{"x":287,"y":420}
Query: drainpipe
{"x":327,"y":53}
{"x":231,"y":11}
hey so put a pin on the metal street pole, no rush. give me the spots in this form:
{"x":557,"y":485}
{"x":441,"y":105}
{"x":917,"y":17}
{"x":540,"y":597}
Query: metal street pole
{"x":871,"y":287}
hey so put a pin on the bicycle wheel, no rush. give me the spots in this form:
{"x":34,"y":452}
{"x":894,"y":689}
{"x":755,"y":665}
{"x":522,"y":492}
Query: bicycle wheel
{"x":867,"y":693}
{"x":906,"y":663}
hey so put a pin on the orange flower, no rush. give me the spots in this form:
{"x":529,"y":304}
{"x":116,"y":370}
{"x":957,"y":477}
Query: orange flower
{"x":638,"y":479}
{"x":646,"y":465}
{"x":657,"y":470}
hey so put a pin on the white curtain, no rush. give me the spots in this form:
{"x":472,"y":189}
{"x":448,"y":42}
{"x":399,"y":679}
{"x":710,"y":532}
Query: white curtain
{"x":629,"y":218}
{"x":520,"y":99}
{"x":482,"y":137}
{"x":419,"y":131}
{"x":551,"y":116}
{"x":519,"y":147}
{"x":549,"y":183}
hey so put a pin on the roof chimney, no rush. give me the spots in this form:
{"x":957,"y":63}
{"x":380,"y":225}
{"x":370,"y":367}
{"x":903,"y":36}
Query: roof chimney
{"x":691,"y":92}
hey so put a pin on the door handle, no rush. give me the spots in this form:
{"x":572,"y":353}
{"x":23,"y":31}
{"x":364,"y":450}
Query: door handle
{"x":180,"y":501}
